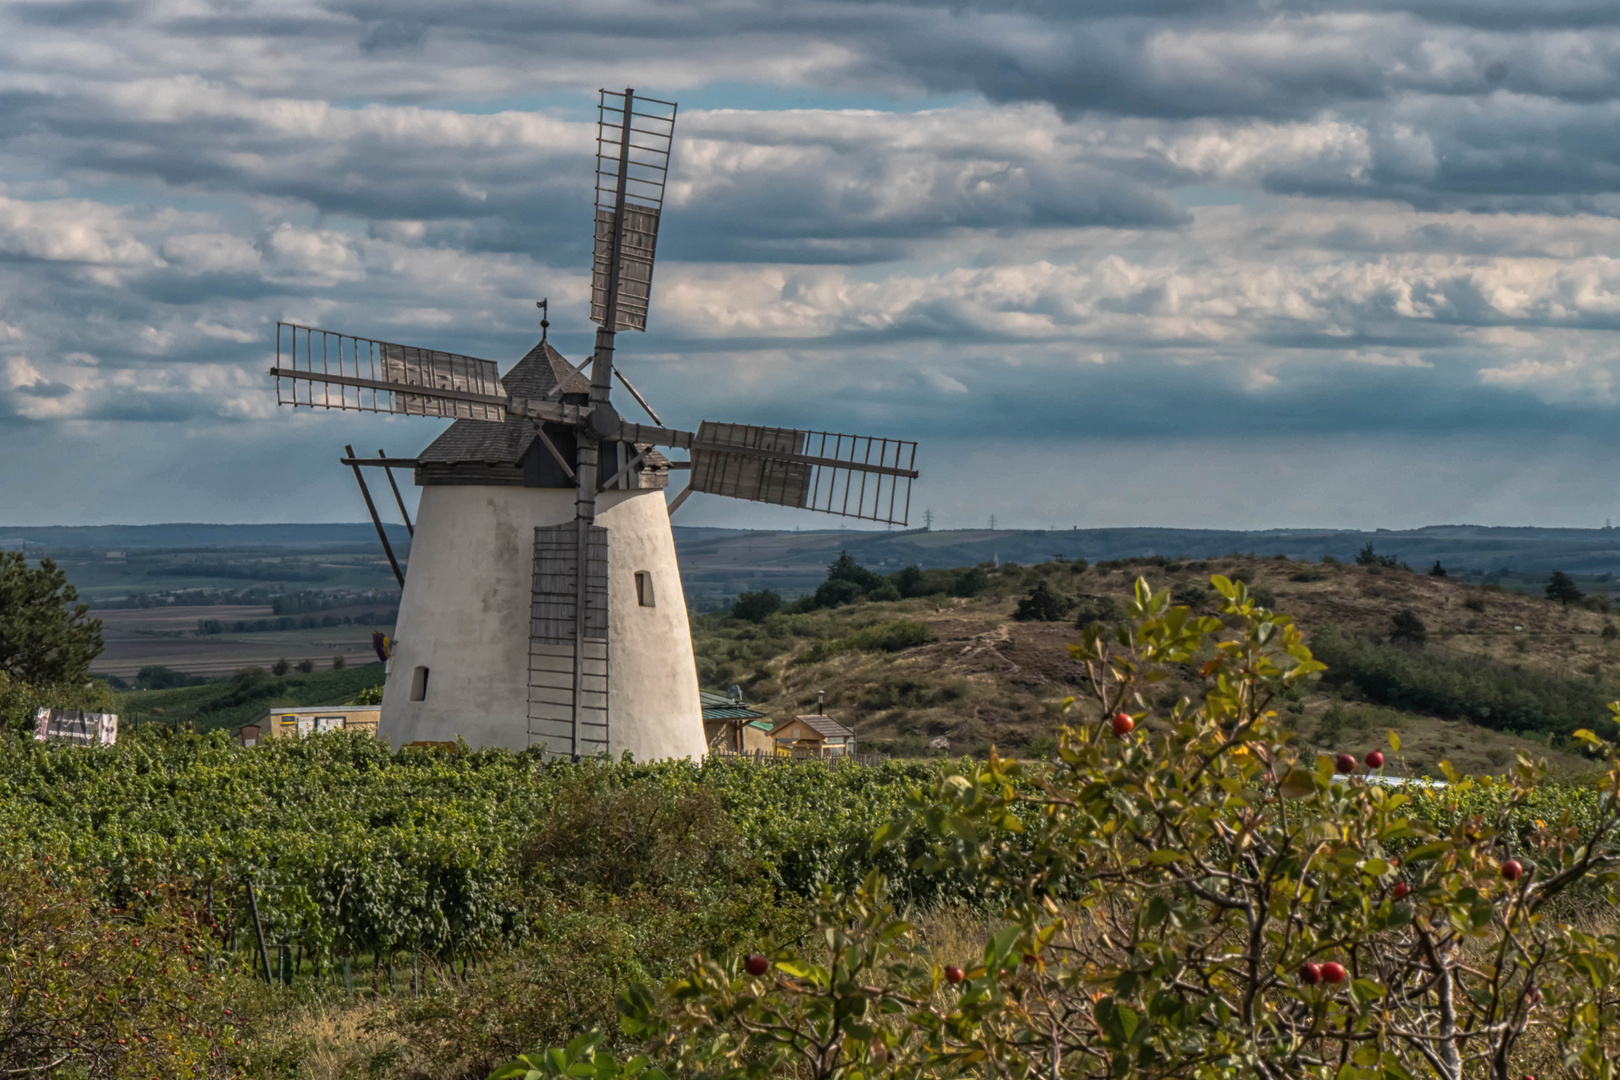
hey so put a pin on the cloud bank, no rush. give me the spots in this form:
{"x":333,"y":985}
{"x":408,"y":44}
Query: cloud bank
{"x":1255,"y":229}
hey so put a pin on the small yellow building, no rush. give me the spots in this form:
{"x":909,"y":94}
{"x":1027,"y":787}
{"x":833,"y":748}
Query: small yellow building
{"x":300,"y":721}
{"x":816,"y":735}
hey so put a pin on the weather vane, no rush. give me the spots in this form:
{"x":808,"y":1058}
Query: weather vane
{"x":545,"y":309}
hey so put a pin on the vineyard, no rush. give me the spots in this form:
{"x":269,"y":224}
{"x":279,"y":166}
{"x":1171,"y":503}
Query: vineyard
{"x":355,"y":851}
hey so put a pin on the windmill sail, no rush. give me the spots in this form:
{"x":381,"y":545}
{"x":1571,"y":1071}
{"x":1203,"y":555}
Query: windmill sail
{"x":858,"y":476}
{"x":633,"y":137}
{"x":327,"y":370}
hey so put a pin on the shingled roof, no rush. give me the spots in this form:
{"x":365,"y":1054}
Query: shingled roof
{"x":505,"y":443}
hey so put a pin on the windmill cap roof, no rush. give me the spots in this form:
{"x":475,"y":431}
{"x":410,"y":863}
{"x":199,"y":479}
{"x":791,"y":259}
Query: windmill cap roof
{"x":505,"y":442}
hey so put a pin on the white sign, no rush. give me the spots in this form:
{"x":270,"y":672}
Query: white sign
{"x":72,"y":725}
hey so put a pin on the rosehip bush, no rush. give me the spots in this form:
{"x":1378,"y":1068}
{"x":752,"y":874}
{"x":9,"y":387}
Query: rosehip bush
{"x":1196,"y":901}
{"x":94,"y":992}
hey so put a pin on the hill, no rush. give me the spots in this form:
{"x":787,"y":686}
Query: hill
{"x":1500,"y":671}
{"x":238,"y":700}
{"x":717,"y":564}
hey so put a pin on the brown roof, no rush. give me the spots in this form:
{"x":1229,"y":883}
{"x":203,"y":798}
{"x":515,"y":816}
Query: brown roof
{"x":490,"y":442}
{"x":825,"y":726}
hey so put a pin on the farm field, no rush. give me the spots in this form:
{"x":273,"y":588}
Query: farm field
{"x":167,"y":636}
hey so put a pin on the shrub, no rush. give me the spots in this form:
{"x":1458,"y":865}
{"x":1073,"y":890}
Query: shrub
{"x":1405,"y":628}
{"x":1042,"y":604}
{"x":95,"y":992}
{"x":1474,"y":603}
{"x":911,"y":581}
{"x":755,"y":607}
{"x":1095,"y":609}
{"x":1610,"y":632}
{"x":1205,"y":903}
{"x":880,"y":637}
{"x":1476,"y":689}
{"x":970,"y":583}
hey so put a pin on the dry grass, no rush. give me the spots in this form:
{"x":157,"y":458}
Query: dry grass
{"x":988,"y":679}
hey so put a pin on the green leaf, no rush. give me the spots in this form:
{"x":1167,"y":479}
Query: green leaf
{"x":1163,"y":856}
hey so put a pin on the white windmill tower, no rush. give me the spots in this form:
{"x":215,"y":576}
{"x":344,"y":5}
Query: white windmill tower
{"x":543,"y":604}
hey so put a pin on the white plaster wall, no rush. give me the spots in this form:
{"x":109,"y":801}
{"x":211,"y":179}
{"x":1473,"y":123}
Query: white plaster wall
{"x":465,"y":617}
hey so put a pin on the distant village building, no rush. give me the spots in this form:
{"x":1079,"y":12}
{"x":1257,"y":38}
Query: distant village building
{"x":816,"y":735}
{"x":730,"y":727}
{"x":297,"y":722}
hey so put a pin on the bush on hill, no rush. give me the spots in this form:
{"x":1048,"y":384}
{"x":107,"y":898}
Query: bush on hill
{"x":1475,"y":689}
{"x":755,"y":607}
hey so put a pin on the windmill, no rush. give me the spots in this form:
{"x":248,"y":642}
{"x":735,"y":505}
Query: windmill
{"x":542,"y":547}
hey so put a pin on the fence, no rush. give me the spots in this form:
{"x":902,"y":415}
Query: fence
{"x":782,"y":757}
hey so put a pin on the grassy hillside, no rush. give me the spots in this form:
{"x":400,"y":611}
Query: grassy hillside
{"x":240,"y":699}
{"x":1499,"y":671}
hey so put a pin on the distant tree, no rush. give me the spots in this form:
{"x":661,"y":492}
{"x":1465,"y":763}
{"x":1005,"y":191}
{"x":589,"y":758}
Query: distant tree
{"x":845,"y":568}
{"x":1367,"y":556}
{"x":45,"y":636}
{"x":158,"y":677}
{"x":836,"y":593}
{"x":755,"y":607}
{"x":1043,"y":605}
{"x":280,"y":667}
{"x":339,"y":662}
{"x":970,"y":582}
{"x":911,"y":581}
{"x":1437,"y":570}
{"x":1407,"y":629}
{"x":306,"y":666}
{"x":1561,"y":587}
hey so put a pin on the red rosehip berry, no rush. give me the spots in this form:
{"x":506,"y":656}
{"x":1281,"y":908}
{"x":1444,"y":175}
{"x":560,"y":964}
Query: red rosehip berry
{"x":1123,"y":725}
{"x":1375,"y":759}
{"x":1346,"y":763}
{"x":1400,"y":890}
{"x":1512,"y":869}
{"x":1310,"y":974}
{"x":756,"y":964}
{"x":1333,"y":972}
{"x":953,"y":974}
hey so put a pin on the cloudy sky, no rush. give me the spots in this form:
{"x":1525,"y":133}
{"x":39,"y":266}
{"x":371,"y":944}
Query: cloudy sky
{"x":1156,"y":262}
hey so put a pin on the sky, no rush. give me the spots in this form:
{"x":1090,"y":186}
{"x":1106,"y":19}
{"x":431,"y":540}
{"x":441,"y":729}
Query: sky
{"x":1202,"y":263}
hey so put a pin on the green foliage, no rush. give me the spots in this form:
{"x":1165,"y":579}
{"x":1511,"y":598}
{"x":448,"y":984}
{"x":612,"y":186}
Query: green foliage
{"x":848,"y":581}
{"x":754,"y":607}
{"x":357,"y":850}
{"x":45,"y":637}
{"x":371,"y":695}
{"x":1368,"y":557}
{"x":879,"y":637}
{"x":245,"y":695}
{"x":1610,"y":632}
{"x":1165,"y":895}
{"x":1043,"y":604}
{"x":1405,"y":628}
{"x":912,"y":582}
{"x":971,"y":582}
{"x":158,"y":677}
{"x":1096,"y":610}
{"x":1472,"y":688}
{"x":1561,"y":587}
{"x":1437,"y":570}
{"x":96,"y":991}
